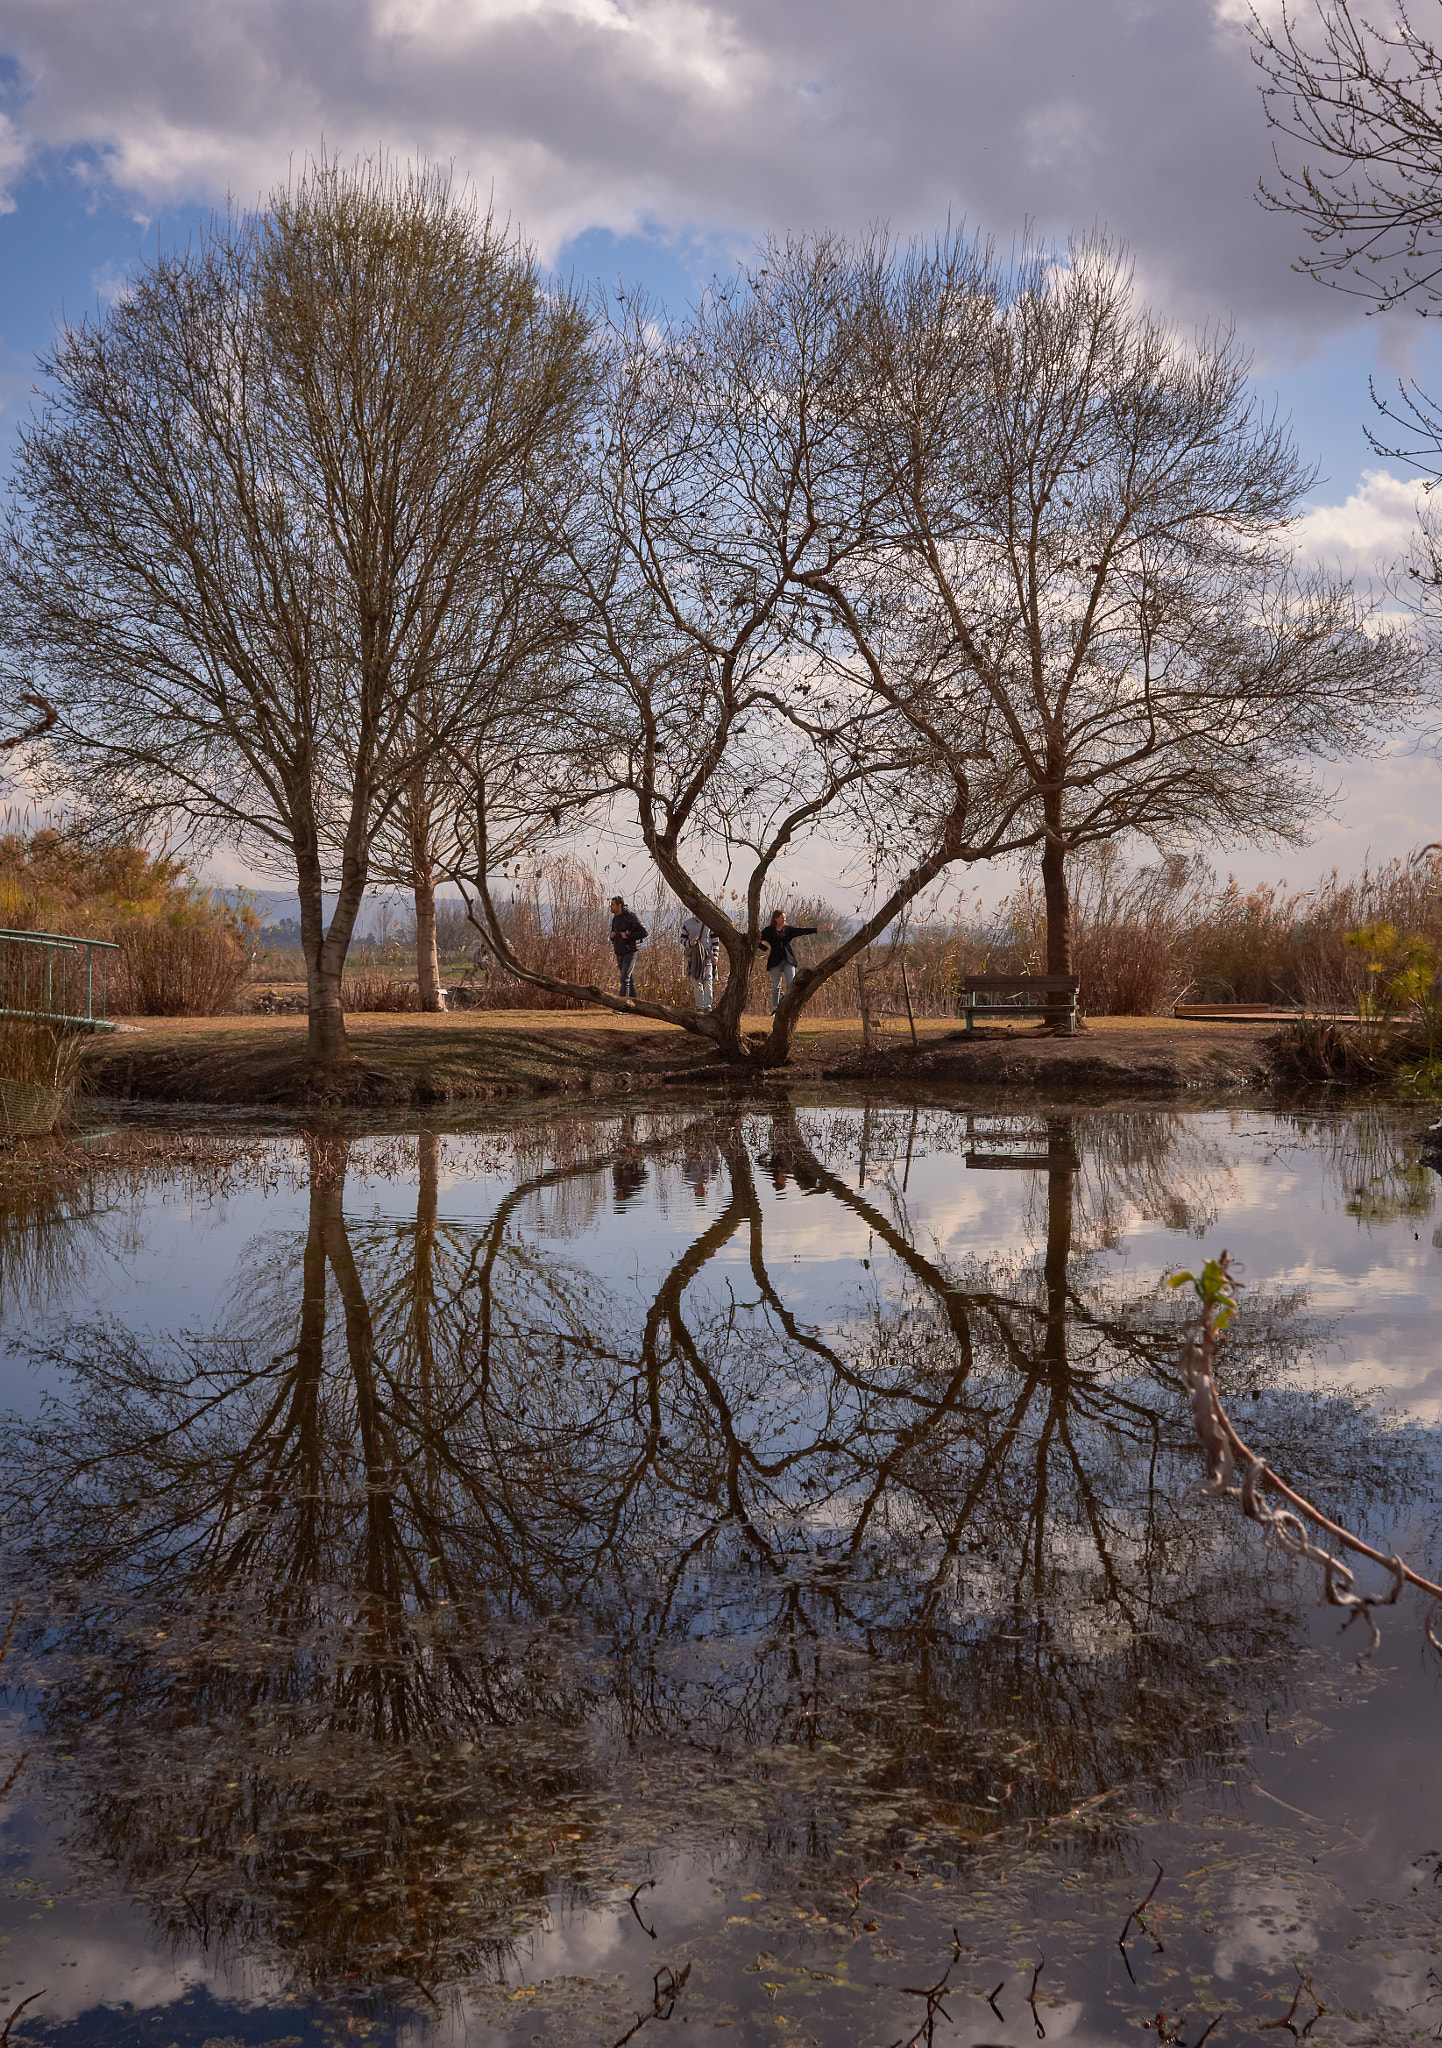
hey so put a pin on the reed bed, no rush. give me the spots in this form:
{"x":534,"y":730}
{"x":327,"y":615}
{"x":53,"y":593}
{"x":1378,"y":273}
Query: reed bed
{"x":377,"y":992}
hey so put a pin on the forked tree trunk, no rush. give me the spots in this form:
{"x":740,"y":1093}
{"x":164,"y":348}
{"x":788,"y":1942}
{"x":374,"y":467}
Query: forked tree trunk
{"x":325,"y":952}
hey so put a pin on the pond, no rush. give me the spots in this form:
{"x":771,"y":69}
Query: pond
{"x":579,"y":1578}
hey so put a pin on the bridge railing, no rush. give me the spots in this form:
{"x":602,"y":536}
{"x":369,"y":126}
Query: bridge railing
{"x":51,"y":978}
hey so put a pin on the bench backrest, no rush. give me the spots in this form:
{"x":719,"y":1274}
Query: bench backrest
{"x":1020,"y":984}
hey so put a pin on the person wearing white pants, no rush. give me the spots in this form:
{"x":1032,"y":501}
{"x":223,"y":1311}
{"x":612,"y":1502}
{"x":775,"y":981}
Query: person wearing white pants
{"x":702,"y":947}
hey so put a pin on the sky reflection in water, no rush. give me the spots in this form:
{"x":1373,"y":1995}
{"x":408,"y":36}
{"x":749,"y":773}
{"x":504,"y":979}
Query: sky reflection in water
{"x":444,"y":1559}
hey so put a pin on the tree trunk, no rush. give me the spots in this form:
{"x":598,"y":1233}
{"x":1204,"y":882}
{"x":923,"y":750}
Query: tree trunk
{"x":727,"y":1007}
{"x":325,"y":952}
{"x":1058,"y":904}
{"x":423,"y":881}
{"x":326,"y":1041}
{"x":1060,"y":1181}
{"x":775,"y":1049}
{"x":428,"y":965}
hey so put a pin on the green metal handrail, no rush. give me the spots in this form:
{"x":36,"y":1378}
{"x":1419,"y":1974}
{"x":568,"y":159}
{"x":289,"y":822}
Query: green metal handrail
{"x":48,"y":989}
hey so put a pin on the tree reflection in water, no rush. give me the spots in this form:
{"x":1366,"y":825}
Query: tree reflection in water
{"x":450,"y":1574}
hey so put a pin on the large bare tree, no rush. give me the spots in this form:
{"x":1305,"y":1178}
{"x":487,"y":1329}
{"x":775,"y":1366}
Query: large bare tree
{"x":267,"y":496}
{"x":1092,"y":516}
{"x":755,"y":672}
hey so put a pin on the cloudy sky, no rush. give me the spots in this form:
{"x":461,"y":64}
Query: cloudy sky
{"x":654,"y":138}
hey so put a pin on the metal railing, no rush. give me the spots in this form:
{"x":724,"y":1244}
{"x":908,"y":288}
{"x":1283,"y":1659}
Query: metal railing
{"x":50,"y":978}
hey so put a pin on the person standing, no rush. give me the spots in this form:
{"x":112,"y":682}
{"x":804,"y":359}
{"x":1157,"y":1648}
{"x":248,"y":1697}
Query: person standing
{"x":702,"y":948}
{"x":780,"y":959}
{"x":627,"y":933}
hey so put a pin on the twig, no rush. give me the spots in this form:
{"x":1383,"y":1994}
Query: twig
{"x":1226,"y":1450}
{"x":5,"y":2033}
{"x":1304,"y":1984}
{"x":1136,"y":1914}
{"x":647,"y":1884}
{"x":14,"y":1774}
{"x":991,"y":2001}
{"x":669,"y":1996}
{"x":925,"y":2035}
{"x":1031,"y":1999}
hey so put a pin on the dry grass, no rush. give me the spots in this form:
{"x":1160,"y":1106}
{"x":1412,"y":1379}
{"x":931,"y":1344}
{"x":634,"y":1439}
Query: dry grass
{"x":378,"y":992}
{"x":1144,"y":937}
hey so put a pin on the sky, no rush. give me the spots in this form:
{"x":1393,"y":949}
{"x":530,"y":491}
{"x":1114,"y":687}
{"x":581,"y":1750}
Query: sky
{"x":654,"y":140}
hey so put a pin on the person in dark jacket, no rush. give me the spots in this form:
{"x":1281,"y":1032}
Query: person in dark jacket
{"x":627,"y":932}
{"x":780,"y":959}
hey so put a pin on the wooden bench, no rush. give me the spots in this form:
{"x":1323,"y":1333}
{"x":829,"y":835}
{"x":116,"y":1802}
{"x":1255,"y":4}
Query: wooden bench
{"x":1052,"y":997}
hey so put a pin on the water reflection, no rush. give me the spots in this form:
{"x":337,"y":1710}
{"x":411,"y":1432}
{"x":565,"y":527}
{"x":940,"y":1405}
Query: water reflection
{"x":448,"y":1575}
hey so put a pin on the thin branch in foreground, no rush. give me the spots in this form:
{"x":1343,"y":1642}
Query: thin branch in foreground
{"x":1215,"y":1289}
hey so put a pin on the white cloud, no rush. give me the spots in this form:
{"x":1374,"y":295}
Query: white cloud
{"x":110,"y":284}
{"x":702,"y":116}
{"x":14,"y":157}
{"x":1371,"y":529}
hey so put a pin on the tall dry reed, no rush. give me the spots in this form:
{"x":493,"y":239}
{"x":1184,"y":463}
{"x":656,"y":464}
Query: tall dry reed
{"x":39,"y":1064}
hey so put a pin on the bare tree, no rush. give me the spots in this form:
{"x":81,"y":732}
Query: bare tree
{"x":755,"y":672}
{"x":1092,"y":516}
{"x":265,"y":494}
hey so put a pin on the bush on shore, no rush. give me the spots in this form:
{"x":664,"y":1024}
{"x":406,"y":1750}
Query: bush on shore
{"x":181,"y":954}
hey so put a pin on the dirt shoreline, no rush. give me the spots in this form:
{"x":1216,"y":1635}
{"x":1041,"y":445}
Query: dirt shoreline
{"x":409,"y":1061}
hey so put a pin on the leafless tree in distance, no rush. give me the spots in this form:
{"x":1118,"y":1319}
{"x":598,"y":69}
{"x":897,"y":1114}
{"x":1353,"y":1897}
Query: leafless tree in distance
{"x":499,"y":700}
{"x":262,"y":494}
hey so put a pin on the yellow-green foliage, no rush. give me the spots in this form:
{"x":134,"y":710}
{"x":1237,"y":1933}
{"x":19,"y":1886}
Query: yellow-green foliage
{"x":181,"y":953}
{"x":1402,"y":965}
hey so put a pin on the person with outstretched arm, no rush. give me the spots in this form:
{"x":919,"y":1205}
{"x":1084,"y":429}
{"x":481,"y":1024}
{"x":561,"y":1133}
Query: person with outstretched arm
{"x":627,"y":932}
{"x":780,"y":959}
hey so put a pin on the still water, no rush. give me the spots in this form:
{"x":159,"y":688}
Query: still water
{"x":580,"y":1579}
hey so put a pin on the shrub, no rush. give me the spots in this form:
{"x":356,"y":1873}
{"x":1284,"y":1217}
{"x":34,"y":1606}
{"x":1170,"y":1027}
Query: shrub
{"x":181,"y":967}
{"x":182,"y":953}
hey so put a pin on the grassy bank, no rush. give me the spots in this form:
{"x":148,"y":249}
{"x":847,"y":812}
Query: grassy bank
{"x":402,"y":1060}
